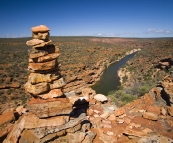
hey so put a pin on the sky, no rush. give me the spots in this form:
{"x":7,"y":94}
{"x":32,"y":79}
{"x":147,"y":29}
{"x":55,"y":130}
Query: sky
{"x":105,"y":18}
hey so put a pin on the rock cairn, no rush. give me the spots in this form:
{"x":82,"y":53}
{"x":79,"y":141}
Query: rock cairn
{"x":50,"y":114}
{"x":45,"y":80}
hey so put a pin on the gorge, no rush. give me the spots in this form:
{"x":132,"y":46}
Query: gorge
{"x":110,"y":80}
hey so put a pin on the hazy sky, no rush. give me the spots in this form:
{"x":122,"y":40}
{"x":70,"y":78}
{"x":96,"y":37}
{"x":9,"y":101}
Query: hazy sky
{"x":113,"y":18}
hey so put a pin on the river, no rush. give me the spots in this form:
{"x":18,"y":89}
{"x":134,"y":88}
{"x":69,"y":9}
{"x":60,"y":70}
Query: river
{"x":109,"y":79}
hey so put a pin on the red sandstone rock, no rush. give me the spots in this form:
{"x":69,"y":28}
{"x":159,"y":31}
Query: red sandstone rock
{"x":45,"y":58}
{"x":5,"y":122}
{"x":107,"y":126}
{"x":119,"y":112}
{"x":40,"y":28}
{"x":52,"y":94}
{"x":112,"y":117}
{"x":163,"y":111}
{"x":20,"y":110}
{"x":34,"y":42}
{"x":42,"y":66}
{"x":15,"y":132}
{"x":57,"y":83}
{"x":170,"y":110}
{"x":135,"y":133}
{"x":90,"y":112}
{"x":147,"y":130}
{"x":32,"y":121}
{"x":49,"y":107}
{"x":35,"y":78}
{"x":41,"y":35}
{"x":150,"y":116}
{"x":33,"y":53}
{"x":42,"y":44}
{"x":36,"y":88}
{"x":28,"y":136}
{"x":105,"y":115}
{"x":92,"y":101}
{"x":153,"y":109}
{"x":106,"y":122}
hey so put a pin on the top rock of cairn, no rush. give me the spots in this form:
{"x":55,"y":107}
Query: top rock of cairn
{"x":40,"y":28}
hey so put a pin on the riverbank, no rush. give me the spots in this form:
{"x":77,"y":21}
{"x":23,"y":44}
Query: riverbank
{"x":101,"y":70}
{"x":124,"y":75}
{"x":109,"y":80}
{"x":90,"y":77}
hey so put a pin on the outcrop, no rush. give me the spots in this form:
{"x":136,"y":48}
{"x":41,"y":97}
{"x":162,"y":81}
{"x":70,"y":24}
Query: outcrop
{"x":52,"y":115}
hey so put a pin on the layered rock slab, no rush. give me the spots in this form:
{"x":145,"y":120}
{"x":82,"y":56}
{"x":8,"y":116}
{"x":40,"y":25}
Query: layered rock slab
{"x":49,"y":107}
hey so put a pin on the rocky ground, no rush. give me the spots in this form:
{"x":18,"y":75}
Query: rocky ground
{"x":93,"y":118}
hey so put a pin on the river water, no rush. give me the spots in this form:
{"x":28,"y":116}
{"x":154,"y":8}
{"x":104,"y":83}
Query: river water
{"x":109,"y":79}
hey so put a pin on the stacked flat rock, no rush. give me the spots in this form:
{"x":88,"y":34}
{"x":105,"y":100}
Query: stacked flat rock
{"x":49,"y":114}
{"x":45,"y":80}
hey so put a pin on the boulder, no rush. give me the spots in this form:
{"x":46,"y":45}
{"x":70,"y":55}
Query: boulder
{"x":100,"y":97}
{"x":42,"y":66}
{"x":40,"y":28}
{"x":35,"y":78}
{"x":36,"y":88}
{"x":50,"y":107}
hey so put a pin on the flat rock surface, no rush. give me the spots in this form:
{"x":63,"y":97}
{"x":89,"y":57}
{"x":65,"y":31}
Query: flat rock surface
{"x":42,"y":66}
{"x":40,"y":28}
